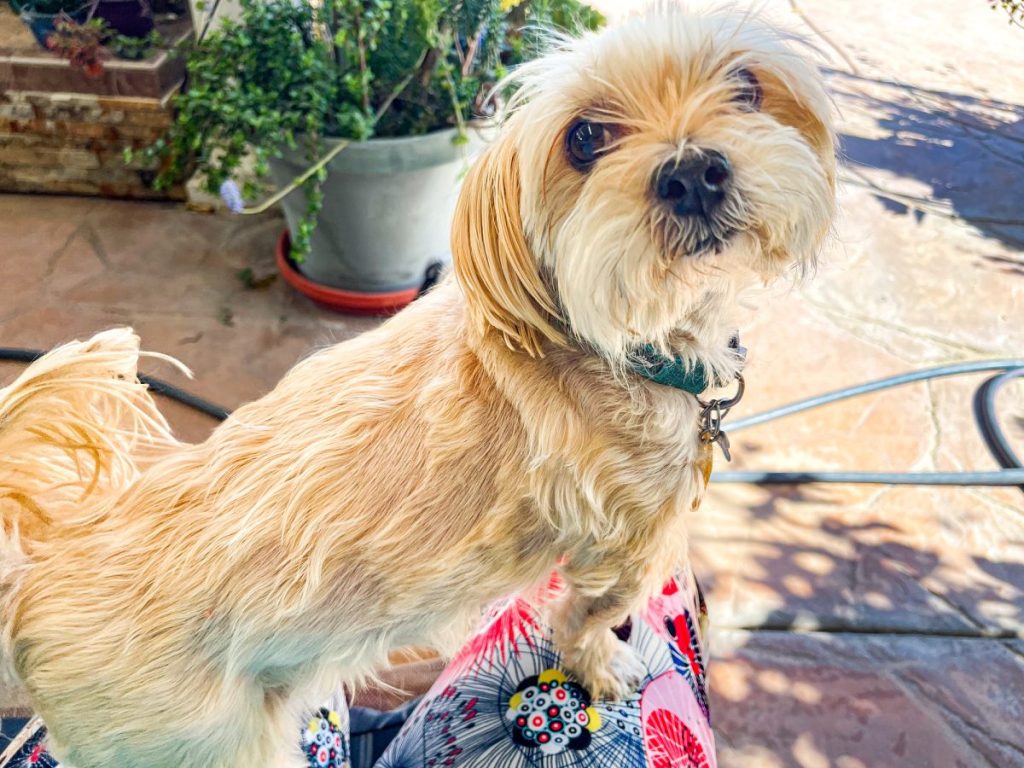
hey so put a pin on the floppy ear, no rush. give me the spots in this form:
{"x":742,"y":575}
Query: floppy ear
{"x":493,"y":263}
{"x":804,"y":105}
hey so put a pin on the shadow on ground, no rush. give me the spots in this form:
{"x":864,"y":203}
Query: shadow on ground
{"x":903,"y":647}
{"x":968,"y":150}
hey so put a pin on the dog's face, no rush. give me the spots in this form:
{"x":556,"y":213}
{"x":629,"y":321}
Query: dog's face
{"x":642,"y":177}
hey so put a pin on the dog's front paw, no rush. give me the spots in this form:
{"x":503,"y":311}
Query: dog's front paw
{"x":609,"y":668}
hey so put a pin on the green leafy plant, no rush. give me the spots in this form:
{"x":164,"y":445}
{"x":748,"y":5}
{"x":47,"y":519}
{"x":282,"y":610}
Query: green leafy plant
{"x":287,"y":74}
{"x":135,"y":48}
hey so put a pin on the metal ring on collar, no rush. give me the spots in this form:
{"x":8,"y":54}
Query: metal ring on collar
{"x":725,"y":405}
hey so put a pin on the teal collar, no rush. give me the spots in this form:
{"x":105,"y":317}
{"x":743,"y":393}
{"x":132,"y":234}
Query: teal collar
{"x":670,"y":371}
{"x":674,"y":371}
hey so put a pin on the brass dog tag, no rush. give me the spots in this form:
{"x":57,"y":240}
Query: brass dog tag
{"x":706,"y":459}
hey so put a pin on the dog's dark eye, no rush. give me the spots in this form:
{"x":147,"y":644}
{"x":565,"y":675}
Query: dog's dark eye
{"x":585,"y":142}
{"x":748,"y":89}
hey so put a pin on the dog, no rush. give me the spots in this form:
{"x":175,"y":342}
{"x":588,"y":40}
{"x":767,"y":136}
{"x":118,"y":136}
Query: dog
{"x":169,"y":604}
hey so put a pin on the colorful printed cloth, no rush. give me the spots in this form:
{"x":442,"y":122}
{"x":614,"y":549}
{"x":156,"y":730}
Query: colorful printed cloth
{"x":324,"y":739}
{"x":505,"y":701}
{"x":32,"y":751}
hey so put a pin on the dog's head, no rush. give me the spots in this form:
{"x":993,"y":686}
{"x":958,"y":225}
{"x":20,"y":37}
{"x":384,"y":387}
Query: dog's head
{"x":641,"y":177}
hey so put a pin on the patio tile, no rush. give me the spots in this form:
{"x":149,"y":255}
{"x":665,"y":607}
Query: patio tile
{"x":844,"y":557}
{"x":902,"y":560}
{"x":784,"y":700}
{"x":13,"y":34}
{"x":73,"y":267}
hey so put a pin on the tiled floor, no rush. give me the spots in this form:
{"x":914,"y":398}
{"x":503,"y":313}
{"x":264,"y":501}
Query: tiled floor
{"x":857,"y":627}
{"x":74,"y":265}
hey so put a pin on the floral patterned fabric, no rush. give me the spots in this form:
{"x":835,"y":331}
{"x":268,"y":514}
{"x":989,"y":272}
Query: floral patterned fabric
{"x":32,"y":752}
{"x":324,"y":739}
{"x":506,"y":702}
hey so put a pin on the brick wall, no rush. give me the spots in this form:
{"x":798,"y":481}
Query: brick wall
{"x":74,"y":143}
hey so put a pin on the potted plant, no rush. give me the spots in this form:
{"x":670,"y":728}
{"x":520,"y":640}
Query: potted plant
{"x":41,"y":16}
{"x":128,"y":18}
{"x":367,"y":107}
{"x":86,"y":45}
{"x":82,"y":44}
{"x":136,"y":48}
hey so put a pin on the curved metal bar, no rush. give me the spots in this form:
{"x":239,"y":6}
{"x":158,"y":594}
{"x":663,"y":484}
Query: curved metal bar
{"x":957,"y":369}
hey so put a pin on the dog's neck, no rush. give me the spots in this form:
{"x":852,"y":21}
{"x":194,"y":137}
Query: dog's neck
{"x":676,"y":372}
{"x":702,"y":353}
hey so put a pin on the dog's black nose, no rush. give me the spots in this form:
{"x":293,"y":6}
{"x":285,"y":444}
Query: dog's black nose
{"x":695,"y":185}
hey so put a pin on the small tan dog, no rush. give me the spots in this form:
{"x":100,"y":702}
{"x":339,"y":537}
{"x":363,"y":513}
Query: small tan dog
{"x":171,"y":605}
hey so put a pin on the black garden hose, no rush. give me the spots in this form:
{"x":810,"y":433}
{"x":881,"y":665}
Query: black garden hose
{"x":984,"y":415}
{"x":161,"y":387}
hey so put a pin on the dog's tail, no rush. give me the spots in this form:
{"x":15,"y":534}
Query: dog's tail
{"x":75,"y":428}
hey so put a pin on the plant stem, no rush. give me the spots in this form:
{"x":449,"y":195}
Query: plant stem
{"x":457,"y":108}
{"x":467,"y":63}
{"x":427,"y":67}
{"x":361,"y":45}
{"x":209,"y":12}
{"x":397,"y":91}
{"x":296,"y":183}
{"x":331,"y":31}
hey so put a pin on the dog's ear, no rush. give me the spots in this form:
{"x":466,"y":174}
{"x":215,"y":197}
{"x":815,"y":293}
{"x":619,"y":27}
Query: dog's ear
{"x":493,"y":263}
{"x":799,"y":100}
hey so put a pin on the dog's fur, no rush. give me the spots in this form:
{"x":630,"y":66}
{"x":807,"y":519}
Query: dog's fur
{"x":172,"y":605}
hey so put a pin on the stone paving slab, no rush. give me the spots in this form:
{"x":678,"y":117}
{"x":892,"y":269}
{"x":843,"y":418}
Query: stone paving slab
{"x":72,"y":266}
{"x":790,"y":700}
{"x":903,"y":560}
{"x":932,"y":115}
{"x":841,"y":557}
{"x":14,"y":35}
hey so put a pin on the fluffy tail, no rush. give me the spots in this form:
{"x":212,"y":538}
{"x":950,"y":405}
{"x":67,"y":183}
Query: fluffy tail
{"x":75,"y":427}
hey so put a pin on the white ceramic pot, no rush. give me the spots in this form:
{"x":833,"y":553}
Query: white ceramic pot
{"x":388,"y":206}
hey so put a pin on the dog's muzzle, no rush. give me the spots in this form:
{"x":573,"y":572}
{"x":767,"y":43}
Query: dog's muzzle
{"x":695,"y":185}
{"x":694,"y":189}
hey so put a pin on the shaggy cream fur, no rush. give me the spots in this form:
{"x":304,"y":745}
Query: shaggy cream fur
{"x":171,"y":605}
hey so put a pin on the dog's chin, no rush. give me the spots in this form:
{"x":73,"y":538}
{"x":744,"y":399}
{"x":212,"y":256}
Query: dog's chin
{"x":704,"y":246}
{"x":710,"y":245}
{"x":698,"y":240}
